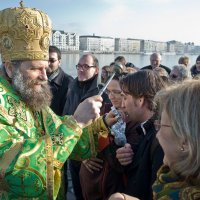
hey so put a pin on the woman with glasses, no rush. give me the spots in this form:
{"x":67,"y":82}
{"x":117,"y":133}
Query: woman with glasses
{"x":178,"y":136}
{"x":106,"y":71}
{"x":103,"y":175}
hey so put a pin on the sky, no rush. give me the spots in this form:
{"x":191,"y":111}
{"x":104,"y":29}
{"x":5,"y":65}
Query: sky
{"x":159,"y":20}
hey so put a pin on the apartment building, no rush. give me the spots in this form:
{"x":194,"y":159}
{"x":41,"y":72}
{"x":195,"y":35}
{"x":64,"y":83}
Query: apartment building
{"x":148,"y":46}
{"x":94,"y":43}
{"x":65,"y":41}
{"x":127,"y":45}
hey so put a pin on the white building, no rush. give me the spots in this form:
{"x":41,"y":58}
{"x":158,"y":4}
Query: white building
{"x":94,"y":43}
{"x":121,"y":44}
{"x":65,"y":41}
{"x":149,"y":46}
{"x":128,"y":45}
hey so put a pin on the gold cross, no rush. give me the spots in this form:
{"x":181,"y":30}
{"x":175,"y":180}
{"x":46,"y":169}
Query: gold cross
{"x":57,"y":139}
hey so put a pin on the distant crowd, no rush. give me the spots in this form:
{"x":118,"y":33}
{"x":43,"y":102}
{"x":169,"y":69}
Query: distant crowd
{"x":179,"y":71}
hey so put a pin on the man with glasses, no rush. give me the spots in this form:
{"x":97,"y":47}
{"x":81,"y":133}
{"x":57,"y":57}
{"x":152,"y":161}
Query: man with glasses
{"x":84,"y":85}
{"x":59,"y":81}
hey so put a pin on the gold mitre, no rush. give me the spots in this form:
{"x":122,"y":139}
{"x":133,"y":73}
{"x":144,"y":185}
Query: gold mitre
{"x":24,"y":34}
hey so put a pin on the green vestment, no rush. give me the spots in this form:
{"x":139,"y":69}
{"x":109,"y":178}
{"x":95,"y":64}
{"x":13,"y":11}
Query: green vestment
{"x":35,"y":145}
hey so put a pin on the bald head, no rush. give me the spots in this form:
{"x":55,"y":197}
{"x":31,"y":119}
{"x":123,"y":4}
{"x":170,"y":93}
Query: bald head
{"x":155,"y":60}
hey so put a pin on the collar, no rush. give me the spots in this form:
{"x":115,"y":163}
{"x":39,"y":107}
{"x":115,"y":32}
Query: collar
{"x":145,"y":127}
{"x":54,"y":75}
{"x":142,"y":127}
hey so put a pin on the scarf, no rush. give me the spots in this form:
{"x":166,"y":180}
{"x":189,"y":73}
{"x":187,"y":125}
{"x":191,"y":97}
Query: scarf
{"x":168,"y":186}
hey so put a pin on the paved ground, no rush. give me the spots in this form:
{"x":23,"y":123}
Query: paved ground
{"x":70,"y":193}
{"x":70,"y":196}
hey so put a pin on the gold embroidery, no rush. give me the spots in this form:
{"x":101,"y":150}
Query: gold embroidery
{"x":57,"y":164}
{"x":5,"y":114}
{"x":16,"y":109}
{"x":71,"y":123}
{"x":50,"y":176}
{"x":33,"y":150}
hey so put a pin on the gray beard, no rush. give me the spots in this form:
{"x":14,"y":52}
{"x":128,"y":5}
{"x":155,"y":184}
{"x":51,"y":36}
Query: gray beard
{"x":36,"y":100}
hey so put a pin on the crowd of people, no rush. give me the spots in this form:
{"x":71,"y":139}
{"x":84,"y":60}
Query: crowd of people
{"x":138,"y":140}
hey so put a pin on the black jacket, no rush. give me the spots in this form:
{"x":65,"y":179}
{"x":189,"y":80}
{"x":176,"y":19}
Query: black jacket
{"x":79,"y":91}
{"x":142,"y":171}
{"x":162,"y":66}
{"x":194,"y":71}
{"x":59,"y":88}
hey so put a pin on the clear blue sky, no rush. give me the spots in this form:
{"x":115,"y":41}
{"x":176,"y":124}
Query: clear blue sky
{"x":159,"y":20}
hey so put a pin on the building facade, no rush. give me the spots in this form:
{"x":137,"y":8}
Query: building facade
{"x":65,"y":41}
{"x":127,"y":45}
{"x":97,"y":44}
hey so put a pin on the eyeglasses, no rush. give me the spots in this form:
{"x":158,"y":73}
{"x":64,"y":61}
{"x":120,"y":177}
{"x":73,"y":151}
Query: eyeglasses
{"x":158,"y":125}
{"x":51,"y":60}
{"x":84,"y":66}
{"x":116,"y":93}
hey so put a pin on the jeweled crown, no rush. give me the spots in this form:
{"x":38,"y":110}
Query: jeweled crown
{"x":24,"y":34}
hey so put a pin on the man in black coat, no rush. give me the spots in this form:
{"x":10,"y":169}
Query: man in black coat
{"x":59,"y":81}
{"x":84,"y":85}
{"x":195,"y":69}
{"x":141,"y":167}
{"x":155,"y":60}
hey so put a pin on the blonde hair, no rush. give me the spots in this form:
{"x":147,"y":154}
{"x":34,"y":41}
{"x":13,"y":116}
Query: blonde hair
{"x":182,"y":104}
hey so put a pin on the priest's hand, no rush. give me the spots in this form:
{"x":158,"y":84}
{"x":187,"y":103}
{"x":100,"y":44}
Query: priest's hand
{"x":88,"y":111}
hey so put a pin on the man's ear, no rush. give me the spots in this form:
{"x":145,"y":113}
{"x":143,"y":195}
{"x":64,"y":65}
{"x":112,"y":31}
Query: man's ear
{"x":59,"y":63}
{"x":97,"y":70}
{"x":9,"y":69}
{"x":140,"y":101}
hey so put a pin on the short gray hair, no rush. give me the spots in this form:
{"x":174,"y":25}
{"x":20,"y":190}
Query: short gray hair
{"x":184,"y":73}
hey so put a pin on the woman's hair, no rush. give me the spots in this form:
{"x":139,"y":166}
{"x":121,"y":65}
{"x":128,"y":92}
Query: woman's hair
{"x":184,"y":60}
{"x":182,"y":105}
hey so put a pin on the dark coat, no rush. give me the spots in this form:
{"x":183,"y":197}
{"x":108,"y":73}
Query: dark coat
{"x":59,"y":88}
{"x":141,"y":173}
{"x":194,"y":71}
{"x":79,"y":91}
{"x":162,"y":66}
{"x":100,"y":185}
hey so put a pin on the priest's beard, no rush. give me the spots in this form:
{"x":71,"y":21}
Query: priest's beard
{"x":35,"y":99}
